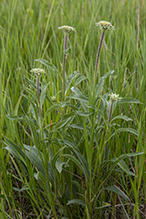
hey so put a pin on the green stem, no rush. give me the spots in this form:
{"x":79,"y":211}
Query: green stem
{"x":64,"y":64}
{"x":38,"y":95}
{"x":98,"y":54}
{"x":110,"y":115}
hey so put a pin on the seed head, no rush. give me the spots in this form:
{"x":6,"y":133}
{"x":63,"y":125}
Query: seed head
{"x":67,"y":29}
{"x":38,"y":71}
{"x":104,"y":25}
{"x":114,"y":97}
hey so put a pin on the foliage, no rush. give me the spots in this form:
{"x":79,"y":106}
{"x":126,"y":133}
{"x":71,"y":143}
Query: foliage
{"x":78,"y":152}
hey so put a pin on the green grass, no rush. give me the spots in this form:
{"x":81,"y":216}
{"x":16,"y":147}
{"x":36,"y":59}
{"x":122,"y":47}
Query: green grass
{"x":72,"y":159}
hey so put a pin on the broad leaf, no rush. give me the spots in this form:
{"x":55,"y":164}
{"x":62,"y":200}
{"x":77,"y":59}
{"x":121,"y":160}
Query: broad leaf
{"x":78,"y":97}
{"x":118,"y":191}
{"x":47,"y":64}
{"x":16,"y":118}
{"x":76,"y":201}
{"x":15,"y":150}
{"x":128,"y":100}
{"x":101,"y":82}
{"x":81,"y":113}
{"x":61,"y":124}
{"x":80,"y":79}
{"x":129,"y":130}
{"x":59,"y":165}
{"x":126,"y":118}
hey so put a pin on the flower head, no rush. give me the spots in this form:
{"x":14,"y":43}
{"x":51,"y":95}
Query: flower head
{"x":114,"y":97}
{"x":38,"y":71}
{"x":104,"y":25}
{"x":67,"y":29}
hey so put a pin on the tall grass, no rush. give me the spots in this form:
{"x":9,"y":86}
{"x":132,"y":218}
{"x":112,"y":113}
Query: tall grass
{"x":85,"y":158}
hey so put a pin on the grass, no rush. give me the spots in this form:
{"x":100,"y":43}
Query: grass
{"x":82,"y":154}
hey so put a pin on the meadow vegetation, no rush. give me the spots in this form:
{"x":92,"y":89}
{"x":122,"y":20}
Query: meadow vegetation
{"x":72,"y":127}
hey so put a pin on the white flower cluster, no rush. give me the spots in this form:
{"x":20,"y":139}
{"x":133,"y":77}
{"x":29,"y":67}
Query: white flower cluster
{"x":114,"y":97}
{"x":67,"y":29}
{"x":104,"y":25}
{"x":38,"y":71}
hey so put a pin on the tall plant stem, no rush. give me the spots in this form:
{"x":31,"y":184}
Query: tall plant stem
{"x":98,"y":54}
{"x":64,"y":64}
{"x":110,"y":115}
{"x":38,"y":95}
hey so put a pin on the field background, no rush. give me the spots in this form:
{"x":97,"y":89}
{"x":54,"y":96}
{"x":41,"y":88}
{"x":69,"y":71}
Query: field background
{"x":29,"y":31}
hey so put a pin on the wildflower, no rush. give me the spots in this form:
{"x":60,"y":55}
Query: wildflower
{"x":53,"y":98}
{"x":38,"y":71}
{"x":114,"y":97}
{"x":104,"y":25}
{"x":66,"y":29}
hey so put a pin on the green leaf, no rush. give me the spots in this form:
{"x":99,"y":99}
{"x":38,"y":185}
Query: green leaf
{"x":125,"y":169}
{"x":118,"y":191}
{"x":115,"y":161}
{"x":53,"y":107}
{"x":76,"y":201}
{"x":18,"y":104}
{"x":17,"y":118}
{"x":126,"y":118}
{"x":56,"y":156}
{"x":32,"y":93}
{"x":105,"y":205}
{"x":77,"y":126}
{"x":34,"y":106}
{"x":35,"y":157}
{"x":69,"y":81}
{"x":61,"y":124}
{"x":129,"y":130}
{"x":30,"y":82}
{"x":80,"y":162}
{"x":77,"y":92}
{"x":128,"y":100}
{"x":78,"y":97}
{"x":123,"y":156}
{"x":80,"y":79}
{"x":33,"y":128}
{"x":29,"y":99}
{"x":43,"y":95}
{"x":101,"y":82}
{"x":24,"y":188}
{"x":15,"y":150}
{"x":59,"y":165}
{"x":81,"y":113}
{"x":47,"y":64}
{"x":42,"y":180}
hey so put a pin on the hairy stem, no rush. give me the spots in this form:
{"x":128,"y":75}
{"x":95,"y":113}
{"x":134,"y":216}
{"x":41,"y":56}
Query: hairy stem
{"x":64,"y":64}
{"x":110,"y":115}
{"x":98,"y":54}
{"x":38,"y":95}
